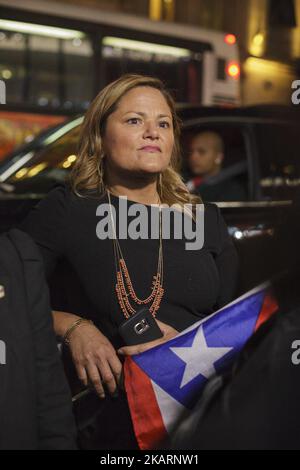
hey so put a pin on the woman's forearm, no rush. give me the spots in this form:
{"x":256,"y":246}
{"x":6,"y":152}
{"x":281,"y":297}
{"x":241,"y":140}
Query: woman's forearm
{"x":62,"y":321}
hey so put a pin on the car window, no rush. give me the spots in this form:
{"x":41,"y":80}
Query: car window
{"x":279,"y":160}
{"x":49,"y":165}
{"x":230,"y":182}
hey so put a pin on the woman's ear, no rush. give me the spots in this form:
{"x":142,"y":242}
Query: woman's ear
{"x":219,"y":158}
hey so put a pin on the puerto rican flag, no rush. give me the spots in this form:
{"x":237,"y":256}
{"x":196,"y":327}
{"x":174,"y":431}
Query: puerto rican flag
{"x":164,"y":383}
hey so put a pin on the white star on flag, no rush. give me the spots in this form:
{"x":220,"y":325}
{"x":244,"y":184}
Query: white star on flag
{"x":199,"y":358}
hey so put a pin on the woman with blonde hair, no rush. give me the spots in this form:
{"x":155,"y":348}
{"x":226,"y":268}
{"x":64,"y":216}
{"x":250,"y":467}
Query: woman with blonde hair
{"x":129,"y":147}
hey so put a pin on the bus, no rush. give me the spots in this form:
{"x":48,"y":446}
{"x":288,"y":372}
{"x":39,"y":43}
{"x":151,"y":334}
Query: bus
{"x":55,"y":57}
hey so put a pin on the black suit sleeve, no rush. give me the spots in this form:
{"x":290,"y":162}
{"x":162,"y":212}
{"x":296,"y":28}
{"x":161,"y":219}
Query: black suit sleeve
{"x":56,"y":428}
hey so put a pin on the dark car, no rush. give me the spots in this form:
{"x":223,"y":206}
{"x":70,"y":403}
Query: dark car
{"x":261,"y":153}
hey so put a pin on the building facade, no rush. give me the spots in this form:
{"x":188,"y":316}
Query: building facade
{"x":267,"y":32}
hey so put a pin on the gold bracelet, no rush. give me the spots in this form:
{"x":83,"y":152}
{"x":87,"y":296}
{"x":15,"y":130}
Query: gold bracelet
{"x":66,"y":337}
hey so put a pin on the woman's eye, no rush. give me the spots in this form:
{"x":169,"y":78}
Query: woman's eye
{"x":133,"y":120}
{"x":164,"y":124}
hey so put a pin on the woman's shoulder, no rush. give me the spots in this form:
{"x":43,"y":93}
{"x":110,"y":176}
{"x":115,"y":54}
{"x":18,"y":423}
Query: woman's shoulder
{"x":211,"y":213}
{"x":63,"y":194}
{"x":60,"y":193}
{"x":215,"y":228}
{"x":53,"y":206}
{"x":211,"y":207}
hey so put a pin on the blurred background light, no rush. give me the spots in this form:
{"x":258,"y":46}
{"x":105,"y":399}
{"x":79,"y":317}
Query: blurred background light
{"x":263,"y":65}
{"x":257,"y":45}
{"x":6,"y":74}
{"x":50,"y":31}
{"x":155,"y":10}
{"x":21,"y":173}
{"x":233,"y":70}
{"x":145,"y":47}
{"x":36,"y":169}
{"x":230,"y":39}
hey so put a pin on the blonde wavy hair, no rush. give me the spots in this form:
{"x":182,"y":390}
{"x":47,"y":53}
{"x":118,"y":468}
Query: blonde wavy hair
{"x":88,"y":173}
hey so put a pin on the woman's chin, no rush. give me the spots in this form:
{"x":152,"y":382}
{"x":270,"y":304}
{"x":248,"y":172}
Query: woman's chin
{"x":151,"y":169}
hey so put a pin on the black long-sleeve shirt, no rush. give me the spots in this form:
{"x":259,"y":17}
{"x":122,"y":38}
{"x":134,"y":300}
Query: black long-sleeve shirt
{"x":196,"y":282}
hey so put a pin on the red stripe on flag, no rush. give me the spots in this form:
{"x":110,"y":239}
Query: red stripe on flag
{"x":146,"y":416}
{"x":269,"y":307}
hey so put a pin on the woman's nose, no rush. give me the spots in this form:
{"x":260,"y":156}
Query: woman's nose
{"x":151,"y":130}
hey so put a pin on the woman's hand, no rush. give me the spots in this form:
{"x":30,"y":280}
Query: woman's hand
{"x":95,"y":359}
{"x":168,"y":333}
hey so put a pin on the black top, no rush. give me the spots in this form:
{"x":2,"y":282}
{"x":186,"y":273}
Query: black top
{"x":196,"y":282}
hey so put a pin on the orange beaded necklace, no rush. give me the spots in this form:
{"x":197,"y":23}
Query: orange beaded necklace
{"x":124,"y":288}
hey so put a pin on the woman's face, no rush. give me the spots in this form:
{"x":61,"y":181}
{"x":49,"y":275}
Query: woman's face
{"x":139,"y":134}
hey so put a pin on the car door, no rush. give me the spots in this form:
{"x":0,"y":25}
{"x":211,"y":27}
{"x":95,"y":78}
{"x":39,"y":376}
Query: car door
{"x":250,"y":219}
{"x":276,"y":180}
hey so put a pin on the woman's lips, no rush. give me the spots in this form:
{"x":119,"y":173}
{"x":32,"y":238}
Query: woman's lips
{"x":150,"y":148}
